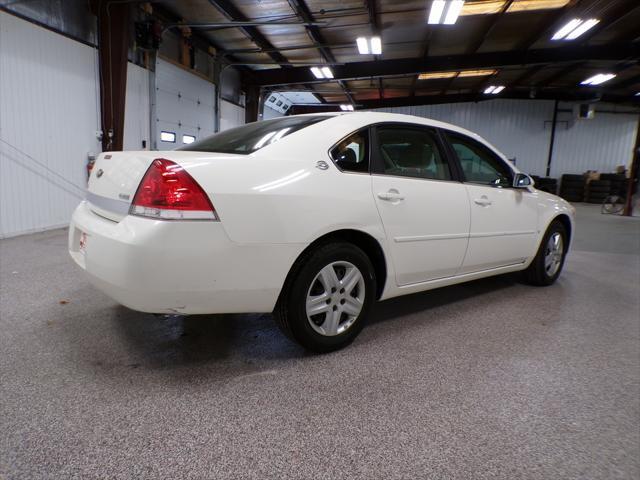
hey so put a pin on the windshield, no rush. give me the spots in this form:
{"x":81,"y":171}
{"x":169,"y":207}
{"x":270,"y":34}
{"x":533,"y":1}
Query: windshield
{"x":253,"y":136}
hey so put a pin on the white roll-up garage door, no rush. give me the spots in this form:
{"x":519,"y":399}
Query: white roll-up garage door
{"x":184,"y":106}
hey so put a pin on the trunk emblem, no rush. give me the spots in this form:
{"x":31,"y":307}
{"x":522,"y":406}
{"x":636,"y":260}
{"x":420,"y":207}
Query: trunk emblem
{"x":99,"y":173}
{"x":322,"y":165}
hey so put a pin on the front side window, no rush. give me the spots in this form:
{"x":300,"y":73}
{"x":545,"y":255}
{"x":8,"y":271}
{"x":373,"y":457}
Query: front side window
{"x":253,"y":136}
{"x":352,"y":153}
{"x":412,"y":152}
{"x":479,"y":164}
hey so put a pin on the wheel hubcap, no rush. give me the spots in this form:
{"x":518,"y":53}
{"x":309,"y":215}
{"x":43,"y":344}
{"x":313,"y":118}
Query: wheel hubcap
{"x":335,"y":298}
{"x":553,"y":254}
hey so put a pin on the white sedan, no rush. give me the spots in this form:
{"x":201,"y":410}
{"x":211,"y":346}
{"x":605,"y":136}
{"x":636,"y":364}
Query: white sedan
{"x":314,"y":218}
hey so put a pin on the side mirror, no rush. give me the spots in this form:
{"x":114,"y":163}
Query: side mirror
{"x":522,"y":181}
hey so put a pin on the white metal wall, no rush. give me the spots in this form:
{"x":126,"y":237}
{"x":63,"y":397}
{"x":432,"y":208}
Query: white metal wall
{"x":136,"y":110}
{"x":521,"y":129}
{"x":599,"y":144}
{"x":48,"y":122}
{"x":231,"y":115}
{"x":184,"y":104}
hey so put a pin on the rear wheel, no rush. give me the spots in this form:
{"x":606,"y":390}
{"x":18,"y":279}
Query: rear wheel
{"x":327,"y":297}
{"x":548,"y":262}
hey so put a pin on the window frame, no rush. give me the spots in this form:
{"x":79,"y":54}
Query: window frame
{"x":377,"y":163}
{"x":445,"y":134}
{"x":369,"y":152}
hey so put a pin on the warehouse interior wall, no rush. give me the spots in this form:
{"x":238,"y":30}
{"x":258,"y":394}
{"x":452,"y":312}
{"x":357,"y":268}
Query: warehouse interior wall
{"x":49,"y":116}
{"x":521,"y":129}
{"x":137,"y":116}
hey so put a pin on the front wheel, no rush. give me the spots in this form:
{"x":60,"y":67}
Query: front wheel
{"x":548,"y":262}
{"x":327,"y":297}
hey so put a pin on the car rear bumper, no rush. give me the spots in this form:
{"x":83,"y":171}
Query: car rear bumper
{"x":186,"y":267}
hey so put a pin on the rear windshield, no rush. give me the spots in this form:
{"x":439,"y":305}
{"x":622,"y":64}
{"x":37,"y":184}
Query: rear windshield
{"x":253,"y":136}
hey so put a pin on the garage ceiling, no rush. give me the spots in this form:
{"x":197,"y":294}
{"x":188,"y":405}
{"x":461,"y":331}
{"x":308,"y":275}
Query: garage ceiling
{"x":512,"y":37}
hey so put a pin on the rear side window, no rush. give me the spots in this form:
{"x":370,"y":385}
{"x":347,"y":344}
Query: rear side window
{"x":352,"y":153}
{"x":253,"y":136}
{"x":412,"y":152}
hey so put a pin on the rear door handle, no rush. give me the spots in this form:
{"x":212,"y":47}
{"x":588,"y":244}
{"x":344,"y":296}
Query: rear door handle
{"x":391,"y":196}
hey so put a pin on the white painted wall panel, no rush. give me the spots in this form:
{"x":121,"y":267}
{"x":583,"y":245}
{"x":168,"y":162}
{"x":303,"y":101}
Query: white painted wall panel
{"x":231,"y":115}
{"x":48,"y":119}
{"x":184,"y":104}
{"x":599,"y":144}
{"x":136,"y":111}
{"x":515,"y":127}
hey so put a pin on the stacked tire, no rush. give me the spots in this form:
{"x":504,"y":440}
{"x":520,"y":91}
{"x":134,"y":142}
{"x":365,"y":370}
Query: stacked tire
{"x":618,"y":183}
{"x":547,"y":184}
{"x":598,"y":190}
{"x":572,"y":188}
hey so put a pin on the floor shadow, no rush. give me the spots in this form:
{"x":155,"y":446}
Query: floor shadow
{"x":398,"y":307}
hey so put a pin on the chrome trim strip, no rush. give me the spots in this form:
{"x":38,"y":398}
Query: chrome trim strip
{"x":425,"y":238}
{"x":119,"y":207}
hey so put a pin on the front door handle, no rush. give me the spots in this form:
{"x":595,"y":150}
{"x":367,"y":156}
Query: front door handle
{"x":392,"y":195}
{"x":483,"y":201}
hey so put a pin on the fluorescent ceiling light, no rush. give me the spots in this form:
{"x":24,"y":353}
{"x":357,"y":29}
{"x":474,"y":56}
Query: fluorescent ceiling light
{"x":574,"y":28}
{"x":598,"y":79}
{"x":567,"y":29}
{"x":363,"y":45}
{"x":445,"y":12}
{"x":588,"y":25}
{"x":371,"y":45}
{"x":462,"y":74}
{"x":376,"y":45}
{"x":454,"y":12}
{"x":476,"y":73}
{"x":327,"y":72}
{"x":437,"y":8}
{"x":324,"y":72}
{"x":317,"y":72}
{"x":529,"y":5}
{"x":436,"y":75}
{"x":491,"y":7}
{"x":494,"y":90}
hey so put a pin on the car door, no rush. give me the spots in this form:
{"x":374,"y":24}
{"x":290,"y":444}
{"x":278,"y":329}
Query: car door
{"x":424,"y":208}
{"x":504,"y":220}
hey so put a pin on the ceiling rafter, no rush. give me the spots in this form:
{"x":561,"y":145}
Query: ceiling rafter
{"x":301,"y":9}
{"x":411,"y":66}
{"x":229,"y":10}
{"x":492,"y":21}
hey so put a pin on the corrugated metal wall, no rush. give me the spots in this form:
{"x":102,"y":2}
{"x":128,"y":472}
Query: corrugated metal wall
{"x":521,"y":129}
{"x":599,"y":144}
{"x":48,"y":122}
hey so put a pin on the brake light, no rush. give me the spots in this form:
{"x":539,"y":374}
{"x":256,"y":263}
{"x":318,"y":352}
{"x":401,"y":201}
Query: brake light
{"x":168,"y":192}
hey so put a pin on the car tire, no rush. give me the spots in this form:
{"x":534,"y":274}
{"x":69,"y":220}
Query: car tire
{"x":332,"y":328}
{"x":539,"y":272}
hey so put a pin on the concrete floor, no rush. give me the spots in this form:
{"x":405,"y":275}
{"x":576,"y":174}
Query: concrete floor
{"x":492,"y":379}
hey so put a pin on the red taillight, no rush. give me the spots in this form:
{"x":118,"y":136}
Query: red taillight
{"x":167,"y":191}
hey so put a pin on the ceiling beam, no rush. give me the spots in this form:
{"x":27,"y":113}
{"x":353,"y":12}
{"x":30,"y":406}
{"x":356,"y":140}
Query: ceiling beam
{"x":582,"y":95}
{"x":492,"y":21}
{"x":302,"y":10}
{"x":411,"y":66}
{"x":232,"y":12}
